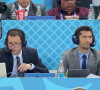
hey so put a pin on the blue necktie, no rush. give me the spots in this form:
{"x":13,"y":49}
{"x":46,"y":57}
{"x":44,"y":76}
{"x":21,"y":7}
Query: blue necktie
{"x":20,"y":74}
{"x":84,"y":62}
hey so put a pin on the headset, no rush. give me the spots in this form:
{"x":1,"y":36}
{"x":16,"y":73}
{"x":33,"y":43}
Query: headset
{"x":21,"y":35}
{"x":75,"y":37}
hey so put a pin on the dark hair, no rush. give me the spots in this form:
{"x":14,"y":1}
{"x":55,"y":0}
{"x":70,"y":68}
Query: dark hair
{"x":16,"y":32}
{"x":83,"y":28}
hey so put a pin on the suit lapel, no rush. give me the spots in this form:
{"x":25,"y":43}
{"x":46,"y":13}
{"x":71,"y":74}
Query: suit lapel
{"x":24,"y":56}
{"x":75,"y":59}
{"x":32,"y":10}
{"x":91,"y":60}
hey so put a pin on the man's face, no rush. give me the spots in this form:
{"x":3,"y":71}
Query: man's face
{"x":68,"y":5}
{"x":14,"y":44}
{"x":24,"y":3}
{"x":85,"y":39}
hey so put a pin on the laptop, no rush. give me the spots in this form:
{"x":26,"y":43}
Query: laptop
{"x":3,"y":70}
{"x":78,"y":73}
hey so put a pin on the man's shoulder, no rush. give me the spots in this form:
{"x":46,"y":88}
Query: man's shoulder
{"x":94,"y":51}
{"x":83,"y":8}
{"x":28,"y":49}
{"x":53,"y":9}
{"x":68,"y":52}
{"x":5,"y":51}
{"x":35,"y":5}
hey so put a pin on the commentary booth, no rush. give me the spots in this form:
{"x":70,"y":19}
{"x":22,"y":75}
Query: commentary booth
{"x":51,"y":38}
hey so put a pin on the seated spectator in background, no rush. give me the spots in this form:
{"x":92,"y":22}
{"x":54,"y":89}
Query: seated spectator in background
{"x":27,"y":5}
{"x":68,"y":8}
{"x":83,"y":56}
{"x":20,"y":59}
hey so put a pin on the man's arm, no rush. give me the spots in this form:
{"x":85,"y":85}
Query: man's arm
{"x":34,"y":60}
{"x":65,"y":62}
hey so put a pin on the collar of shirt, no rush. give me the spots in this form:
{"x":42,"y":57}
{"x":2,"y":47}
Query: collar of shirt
{"x":81,"y":54}
{"x":26,"y":12}
{"x":20,"y":8}
{"x":81,"y":58}
{"x":20,"y":55}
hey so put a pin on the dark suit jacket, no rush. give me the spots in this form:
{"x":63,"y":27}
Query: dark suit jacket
{"x":29,"y":56}
{"x":71,"y":60}
{"x":32,"y":9}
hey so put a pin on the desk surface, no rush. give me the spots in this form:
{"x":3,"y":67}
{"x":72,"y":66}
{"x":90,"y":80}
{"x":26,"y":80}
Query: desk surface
{"x":49,"y":83}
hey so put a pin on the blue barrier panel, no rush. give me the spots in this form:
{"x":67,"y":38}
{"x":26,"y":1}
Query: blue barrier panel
{"x":49,"y":83}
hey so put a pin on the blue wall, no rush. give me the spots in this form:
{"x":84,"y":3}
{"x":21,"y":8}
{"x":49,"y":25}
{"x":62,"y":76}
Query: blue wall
{"x":50,"y":37}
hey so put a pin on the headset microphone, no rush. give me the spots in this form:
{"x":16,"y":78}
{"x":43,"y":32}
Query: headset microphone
{"x":92,"y":44}
{"x":7,"y":50}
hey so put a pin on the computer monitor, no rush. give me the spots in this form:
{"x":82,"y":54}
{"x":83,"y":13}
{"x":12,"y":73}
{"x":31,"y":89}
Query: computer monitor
{"x":78,"y":73}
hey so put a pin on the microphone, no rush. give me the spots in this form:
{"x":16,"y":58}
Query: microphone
{"x":92,"y":44}
{"x":7,"y":50}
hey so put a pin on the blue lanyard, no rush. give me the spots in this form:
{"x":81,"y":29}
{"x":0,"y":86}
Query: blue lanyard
{"x":61,"y":16}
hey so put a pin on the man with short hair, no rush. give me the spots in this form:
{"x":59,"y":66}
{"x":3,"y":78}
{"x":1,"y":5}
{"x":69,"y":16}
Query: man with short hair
{"x":20,"y":59}
{"x":68,"y":8}
{"x":29,"y":7}
{"x":83,"y":56}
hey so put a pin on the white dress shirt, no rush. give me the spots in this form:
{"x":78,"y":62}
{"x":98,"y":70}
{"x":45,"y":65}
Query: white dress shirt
{"x":27,"y":9}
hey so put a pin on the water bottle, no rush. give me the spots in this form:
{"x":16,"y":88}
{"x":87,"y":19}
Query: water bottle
{"x":38,"y":12}
{"x":91,"y":15}
{"x":60,"y":71}
{"x":13,"y":12}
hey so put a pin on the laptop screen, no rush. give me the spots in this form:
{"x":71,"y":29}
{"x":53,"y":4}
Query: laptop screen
{"x":3,"y":70}
{"x":78,"y":72}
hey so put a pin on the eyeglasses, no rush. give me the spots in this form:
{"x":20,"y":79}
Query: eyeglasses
{"x":14,"y":44}
{"x":68,"y":0}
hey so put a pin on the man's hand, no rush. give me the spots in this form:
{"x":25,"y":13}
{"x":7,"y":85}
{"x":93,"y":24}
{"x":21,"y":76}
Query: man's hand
{"x":24,"y":67}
